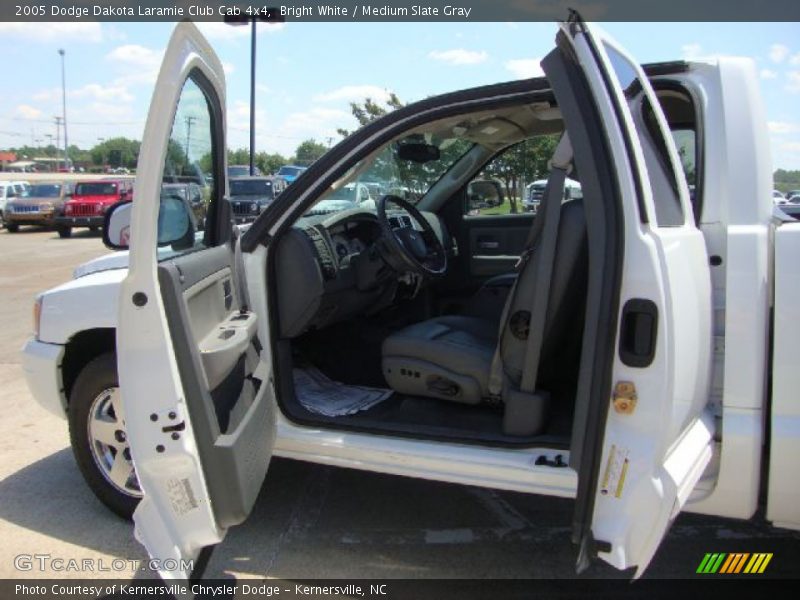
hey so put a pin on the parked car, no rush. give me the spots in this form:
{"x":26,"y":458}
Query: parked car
{"x":249,"y":196}
{"x":9,"y":191}
{"x":89,"y":203}
{"x":194,"y":195}
{"x":42,"y":205}
{"x":629,"y":370}
{"x":290,"y":172}
{"x":778,"y":197}
{"x":534,"y":192}
{"x":242,"y":171}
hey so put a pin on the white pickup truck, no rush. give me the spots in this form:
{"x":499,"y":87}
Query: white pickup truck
{"x":635,"y":349}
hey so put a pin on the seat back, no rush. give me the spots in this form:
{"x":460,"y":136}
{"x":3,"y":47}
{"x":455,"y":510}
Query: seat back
{"x":566,"y":299}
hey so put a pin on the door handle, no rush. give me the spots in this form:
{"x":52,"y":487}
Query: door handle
{"x":488,"y":245}
{"x":638,"y":332}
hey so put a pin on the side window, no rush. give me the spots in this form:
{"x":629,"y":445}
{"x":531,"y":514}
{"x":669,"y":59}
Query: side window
{"x":513,"y":181}
{"x":664,"y":179}
{"x":190,"y":164}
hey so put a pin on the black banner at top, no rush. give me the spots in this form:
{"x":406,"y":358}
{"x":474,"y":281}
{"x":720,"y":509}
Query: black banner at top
{"x":399,"y":10}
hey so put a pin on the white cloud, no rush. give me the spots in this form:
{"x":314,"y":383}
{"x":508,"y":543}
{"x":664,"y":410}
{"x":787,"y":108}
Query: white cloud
{"x":691,"y":51}
{"x":793,"y":84}
{"x":88,"y":31}
{"x":459,"y":56}
{"x":26,"y":111}
{"x":354,"y":93}
{"x":102,"y":93}
{"x":216,"y":30}
{"x":524,"y":68}
{"x":783,"y":127}
{"x":768,"y":74}
{"x":793,"y":147}
{"x":228,"y":67}
{"x":794,"y":60}
{"x":138,"y":64}
{"x":778,"y":53}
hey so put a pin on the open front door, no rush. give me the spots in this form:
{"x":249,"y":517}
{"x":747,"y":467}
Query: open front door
{"x":642,"y":436}
{"x":197,"y":398}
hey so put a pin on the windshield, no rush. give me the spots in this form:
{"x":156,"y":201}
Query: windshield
{"x":290,"y":171}
{"x":406,"y":167}
{"x":45,"y":190}
{"x":251,"y":187}
{"x":96,"y":189}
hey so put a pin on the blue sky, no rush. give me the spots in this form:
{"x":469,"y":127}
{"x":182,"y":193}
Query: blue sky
{"x":309,"y":72}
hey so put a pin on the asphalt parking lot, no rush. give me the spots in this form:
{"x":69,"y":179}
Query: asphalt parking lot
{"x":310,"y":521}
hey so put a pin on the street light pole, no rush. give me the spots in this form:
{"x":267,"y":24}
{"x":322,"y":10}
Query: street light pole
{"x":64,"y":107}
{"x":252,"y":98}
{"x":269,"y":16}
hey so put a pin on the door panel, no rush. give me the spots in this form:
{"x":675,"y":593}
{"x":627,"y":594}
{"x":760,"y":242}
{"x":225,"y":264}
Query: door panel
{"x":652,"y":439}
{"x":199,"y":410}
{"x":494,"y":243}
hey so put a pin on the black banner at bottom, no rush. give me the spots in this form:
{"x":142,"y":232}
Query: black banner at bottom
{"x":397,"y":589}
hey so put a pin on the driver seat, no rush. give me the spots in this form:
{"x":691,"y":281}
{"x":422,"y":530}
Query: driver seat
{"x":450,"y":357}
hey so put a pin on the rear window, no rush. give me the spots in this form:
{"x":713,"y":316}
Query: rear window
{"x":45,"y":190}
{"x":251,"y":187}
{"x":96,"y":189}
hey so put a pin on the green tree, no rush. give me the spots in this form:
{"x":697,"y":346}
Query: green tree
{"x":369,"y":110}
{"x":116,"y":152}
{"x":240,"y":156}
{"x":521,"y":164}
{"x":309,"y":151}
{"x":270,"y":163}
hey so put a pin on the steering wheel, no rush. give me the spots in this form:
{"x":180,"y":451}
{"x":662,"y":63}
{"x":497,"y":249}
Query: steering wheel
{"x":406,"y":248}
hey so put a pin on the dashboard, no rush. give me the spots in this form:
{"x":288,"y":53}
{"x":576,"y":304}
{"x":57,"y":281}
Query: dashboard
{"x":327,"y":270}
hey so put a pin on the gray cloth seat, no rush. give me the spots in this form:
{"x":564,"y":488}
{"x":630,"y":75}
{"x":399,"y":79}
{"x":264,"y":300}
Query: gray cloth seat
{"x":450,"y":357}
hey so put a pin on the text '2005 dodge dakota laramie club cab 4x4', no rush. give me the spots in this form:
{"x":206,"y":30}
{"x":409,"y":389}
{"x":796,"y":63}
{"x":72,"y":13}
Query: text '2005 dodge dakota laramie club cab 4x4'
{"x":613,"y":348}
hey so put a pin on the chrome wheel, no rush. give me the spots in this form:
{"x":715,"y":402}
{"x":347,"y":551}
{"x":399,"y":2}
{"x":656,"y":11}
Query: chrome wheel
{"x":109,"y":442}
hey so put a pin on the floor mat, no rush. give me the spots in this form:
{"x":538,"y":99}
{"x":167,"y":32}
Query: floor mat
{"x":323,"y":396}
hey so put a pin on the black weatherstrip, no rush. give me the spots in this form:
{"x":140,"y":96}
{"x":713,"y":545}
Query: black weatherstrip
{"x":603,"y":205}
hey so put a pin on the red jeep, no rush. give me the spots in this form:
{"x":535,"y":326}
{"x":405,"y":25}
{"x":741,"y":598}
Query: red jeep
{"x":89,"y":203}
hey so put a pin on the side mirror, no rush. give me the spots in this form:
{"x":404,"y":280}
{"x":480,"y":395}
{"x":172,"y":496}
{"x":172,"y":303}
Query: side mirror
{"x":175,"y":224}
{"x":485,"y":193}
{"x":117,"y":226}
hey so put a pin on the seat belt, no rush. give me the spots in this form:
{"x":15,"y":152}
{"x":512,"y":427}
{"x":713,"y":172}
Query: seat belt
{"x":542,"y":239}
{"x":545,"y":256}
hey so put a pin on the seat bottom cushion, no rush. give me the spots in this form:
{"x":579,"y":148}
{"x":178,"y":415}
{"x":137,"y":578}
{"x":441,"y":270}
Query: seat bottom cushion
{"x":447,"y":357}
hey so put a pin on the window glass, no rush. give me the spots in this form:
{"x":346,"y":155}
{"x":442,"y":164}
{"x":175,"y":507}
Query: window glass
{"x":663,"y":177}
{"x":406,"y":167}
{"x":190,"y":163}
{"x":45,"y":190}
{"x":513,"y":182}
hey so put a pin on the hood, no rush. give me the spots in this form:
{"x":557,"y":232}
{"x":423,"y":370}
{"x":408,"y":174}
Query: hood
{"x":95,"y":199}
{"x":265,"y":199}
{"x":37,"y":200}
{"x":114,"y":260}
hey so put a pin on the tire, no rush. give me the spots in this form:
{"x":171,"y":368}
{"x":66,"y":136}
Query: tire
{"x":64,"y":232}
{"x":12,"y":227}
{"x":98,"y":437}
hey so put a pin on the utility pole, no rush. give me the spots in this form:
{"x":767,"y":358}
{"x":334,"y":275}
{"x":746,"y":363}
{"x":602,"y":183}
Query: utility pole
{"x":189,"y":121}
{"x":64,"y":107}
{"x":58,"y":137}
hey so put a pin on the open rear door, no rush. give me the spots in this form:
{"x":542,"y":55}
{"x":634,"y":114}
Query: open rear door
{"x":642,"y":436}
{"x":198,"y":401}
